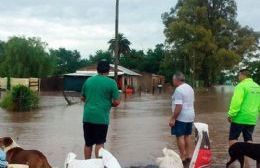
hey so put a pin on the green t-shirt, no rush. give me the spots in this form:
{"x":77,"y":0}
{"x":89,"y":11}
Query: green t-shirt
{"x":245,"y":104}
{"x":99,"y":92}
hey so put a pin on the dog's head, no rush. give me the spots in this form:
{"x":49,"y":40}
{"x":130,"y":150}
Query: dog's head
{"x":6,"y":142}
{"x":170,"y":158}
{"x":70,"y":157}
{"x":170,"y":153}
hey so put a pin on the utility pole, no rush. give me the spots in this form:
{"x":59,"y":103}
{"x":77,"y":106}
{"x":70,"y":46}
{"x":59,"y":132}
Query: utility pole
{"x":116,"y":52}
{"x":194,"y":81}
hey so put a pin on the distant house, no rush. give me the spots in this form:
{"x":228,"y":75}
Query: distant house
{"x":126,"y":78}
{"x":152,"y":82}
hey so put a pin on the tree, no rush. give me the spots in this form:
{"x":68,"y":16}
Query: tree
{"x":124,"y":44}
{"x":26,"y":57}
{"x":67,"y":61}
{"x":133,"y":60}
{"x":255,"y":68}
{"x":153,"y":59}
{"x":93,"y":59}
{"x":206,"y":37}
{"x":1,"y":57}
{"x":169,"y":65}
{"x":1,"y":50}
{"x":253,"y":64}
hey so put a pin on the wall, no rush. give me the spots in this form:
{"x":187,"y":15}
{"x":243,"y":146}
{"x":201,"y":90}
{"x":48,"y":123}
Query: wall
{"x":33,"y":83}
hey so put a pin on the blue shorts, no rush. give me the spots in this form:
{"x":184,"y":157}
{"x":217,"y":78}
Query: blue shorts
{"x":182,"y":128}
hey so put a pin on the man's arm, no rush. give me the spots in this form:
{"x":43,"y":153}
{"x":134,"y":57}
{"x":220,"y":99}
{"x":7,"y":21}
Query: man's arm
{"x":236,"y":102}
{"x":175,"y":115}
{"x":115,"y":103}
{"x":83,"y":96}
{"x":177,"y":111}
{"x":115,"y":96}
{"x":178,"y":108}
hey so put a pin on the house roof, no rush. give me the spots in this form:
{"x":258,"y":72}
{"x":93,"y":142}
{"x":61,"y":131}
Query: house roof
{"x":91,"y":71}
{"x":125,"y":70}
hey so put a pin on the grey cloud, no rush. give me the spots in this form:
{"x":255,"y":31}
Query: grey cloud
{"x":87,"y":25}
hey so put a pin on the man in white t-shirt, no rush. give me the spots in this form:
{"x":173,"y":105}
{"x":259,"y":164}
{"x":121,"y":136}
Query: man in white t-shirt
{"x":183,"y":116}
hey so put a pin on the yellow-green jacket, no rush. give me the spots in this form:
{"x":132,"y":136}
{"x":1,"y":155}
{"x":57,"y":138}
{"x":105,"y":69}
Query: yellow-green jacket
{"x":245,"y":103}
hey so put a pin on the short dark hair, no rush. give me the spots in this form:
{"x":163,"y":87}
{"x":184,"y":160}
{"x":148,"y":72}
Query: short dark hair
{"x":103,"y":66}
{"x":245,"y":72}
{"x":180,"y":76}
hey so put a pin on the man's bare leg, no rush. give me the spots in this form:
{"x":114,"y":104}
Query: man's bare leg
{"x":87,"y":152}
{"x":181,"y":146}
{"x":97,"y":149}
{"x":188,"y":146}
{"x":231,"y":142}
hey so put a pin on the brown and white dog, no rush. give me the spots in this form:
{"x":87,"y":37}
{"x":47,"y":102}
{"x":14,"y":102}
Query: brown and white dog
{"x":17,"y":155}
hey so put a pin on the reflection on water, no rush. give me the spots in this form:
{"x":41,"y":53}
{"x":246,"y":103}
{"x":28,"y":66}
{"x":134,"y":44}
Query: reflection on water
{"x":138,"y":131}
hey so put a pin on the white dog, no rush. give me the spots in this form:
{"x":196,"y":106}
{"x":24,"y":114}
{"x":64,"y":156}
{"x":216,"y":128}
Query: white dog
{"x":170,"y":160}
{"x":106,"y":160}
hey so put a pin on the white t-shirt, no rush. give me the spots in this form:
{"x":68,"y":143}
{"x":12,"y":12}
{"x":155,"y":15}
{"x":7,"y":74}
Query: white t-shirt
{"x":184,"y":95}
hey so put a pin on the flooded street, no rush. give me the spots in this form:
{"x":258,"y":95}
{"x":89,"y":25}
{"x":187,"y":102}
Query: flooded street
{"x":138,"y":132}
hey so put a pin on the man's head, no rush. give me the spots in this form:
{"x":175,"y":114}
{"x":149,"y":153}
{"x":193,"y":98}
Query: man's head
{"x":243,"y":74}
{"x":103,"y":67}
{"x":178,"y":79}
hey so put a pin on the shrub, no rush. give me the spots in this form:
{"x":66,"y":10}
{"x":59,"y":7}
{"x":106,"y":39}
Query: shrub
{"x":20,"y":98}
{"x":7,"y":101}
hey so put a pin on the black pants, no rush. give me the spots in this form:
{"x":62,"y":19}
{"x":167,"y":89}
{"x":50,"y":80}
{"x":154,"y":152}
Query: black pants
{"x":237,"y":129}
{"x":94,"y":134}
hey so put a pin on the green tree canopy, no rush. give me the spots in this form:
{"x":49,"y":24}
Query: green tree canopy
{"x":1,"y":50}
{"x":67,"y":61}
{"x":26,"y":57}
{"x":93,"y":59}
{"x":153,"y":59}
{"x":124,"y":44}
{"x":255,"y":68}
{"x":133,"y":60}
{"x":206,"y":38}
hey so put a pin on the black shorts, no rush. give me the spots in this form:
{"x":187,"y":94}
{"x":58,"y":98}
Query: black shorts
{"x":237,"y":129}
{"x":94,"y":134}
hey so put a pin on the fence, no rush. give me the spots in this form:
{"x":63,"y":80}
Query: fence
{"x":52,"y":84}
{"x":32,"y":83}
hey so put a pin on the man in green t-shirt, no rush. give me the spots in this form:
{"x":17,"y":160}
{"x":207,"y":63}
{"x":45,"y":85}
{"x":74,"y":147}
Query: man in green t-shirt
{"x":99,"y":93}
{"x":244,"y":108}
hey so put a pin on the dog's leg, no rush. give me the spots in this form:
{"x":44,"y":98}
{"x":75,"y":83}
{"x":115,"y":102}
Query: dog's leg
{"x":232,"y":159}
{"x":242,"y":161}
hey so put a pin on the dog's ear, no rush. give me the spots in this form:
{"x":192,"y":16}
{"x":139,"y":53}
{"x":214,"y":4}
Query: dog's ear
{"x":7,"y":141}
{"x":159,"y":160}
{"x":165,"y":151}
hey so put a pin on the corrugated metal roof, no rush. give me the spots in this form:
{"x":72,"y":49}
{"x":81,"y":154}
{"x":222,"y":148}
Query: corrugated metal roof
{"x":121,"y":71}
{"x":126,"y":71}
{"x":90,"y":73}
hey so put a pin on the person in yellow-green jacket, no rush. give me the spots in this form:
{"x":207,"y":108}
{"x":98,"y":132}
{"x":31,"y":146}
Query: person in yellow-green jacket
{"x":244,"y":108}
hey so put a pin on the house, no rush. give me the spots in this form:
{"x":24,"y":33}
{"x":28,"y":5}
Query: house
{"x":152,"y":82}
{"x":126,"y":78}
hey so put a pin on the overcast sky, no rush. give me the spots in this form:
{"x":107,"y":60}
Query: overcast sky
{"x":87,"y":25}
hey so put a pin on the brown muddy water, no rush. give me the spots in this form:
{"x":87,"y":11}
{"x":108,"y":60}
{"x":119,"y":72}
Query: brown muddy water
{"x":138,"y":130}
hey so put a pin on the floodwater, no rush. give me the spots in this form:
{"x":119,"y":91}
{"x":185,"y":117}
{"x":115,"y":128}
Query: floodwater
{"x":138,"y":131}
